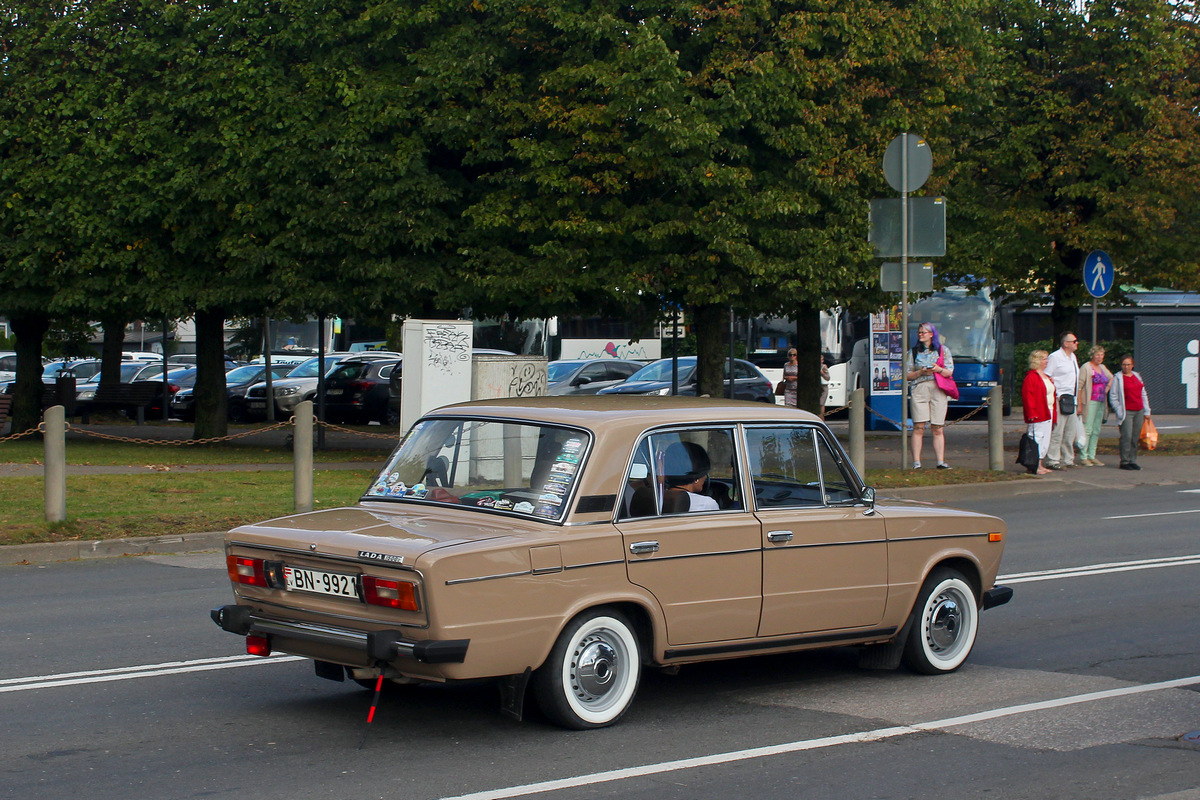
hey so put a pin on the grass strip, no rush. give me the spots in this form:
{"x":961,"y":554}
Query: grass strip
{"x":115,"y":506}
{"x":106,"y":453}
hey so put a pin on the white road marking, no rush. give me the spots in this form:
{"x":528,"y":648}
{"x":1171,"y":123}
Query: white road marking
{"x":1156,"y":514}
{"x":815,"y":744}
{"x":1098,"y":569}
{"x":143,"y":671}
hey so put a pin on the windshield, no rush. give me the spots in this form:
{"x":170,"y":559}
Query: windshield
{"x":964,"y":322}
{"x":661,"y":370}
{"x":243,"y":374}
{"x":310,"y":368}
{"x":560,"y":370}
{"x":523,"y":468}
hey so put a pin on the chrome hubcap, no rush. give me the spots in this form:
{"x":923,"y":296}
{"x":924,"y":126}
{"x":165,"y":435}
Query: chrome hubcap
{"x":595,"y":668}
{"x":945,"y":623}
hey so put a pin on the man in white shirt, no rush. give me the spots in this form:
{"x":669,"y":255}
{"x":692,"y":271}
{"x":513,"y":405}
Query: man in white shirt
{"x":1063,"y":368}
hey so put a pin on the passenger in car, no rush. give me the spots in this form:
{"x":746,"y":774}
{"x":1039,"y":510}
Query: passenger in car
{"x":686,"y":466}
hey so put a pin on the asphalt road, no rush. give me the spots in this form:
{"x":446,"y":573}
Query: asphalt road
{"x":1085,"y":686}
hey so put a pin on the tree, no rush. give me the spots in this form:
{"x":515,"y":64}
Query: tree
{"x":1091,"y":145}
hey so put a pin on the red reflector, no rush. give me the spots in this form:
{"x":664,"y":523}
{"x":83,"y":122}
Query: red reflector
{"x":246,"y":570}
{"x":258,"y":645}
{"x":389,"y":594}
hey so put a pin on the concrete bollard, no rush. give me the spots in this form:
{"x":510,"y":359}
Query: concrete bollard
{"x":302,"y":453}
{"x":54,"y":439}
{"x":858,"y":430}
{"x":995,"y":418}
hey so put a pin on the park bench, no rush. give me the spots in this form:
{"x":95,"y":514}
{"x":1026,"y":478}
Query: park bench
{"x":127,"y":397}
{"x":5,"y":410}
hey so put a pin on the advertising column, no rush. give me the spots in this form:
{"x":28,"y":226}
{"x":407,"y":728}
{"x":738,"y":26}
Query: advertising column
{"x":886,"y":373}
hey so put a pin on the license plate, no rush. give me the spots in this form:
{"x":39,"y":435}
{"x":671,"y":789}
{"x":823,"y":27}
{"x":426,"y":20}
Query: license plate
{"x":333,"y":391}
{"x":320,"y":582}
{"x":258,"y":403}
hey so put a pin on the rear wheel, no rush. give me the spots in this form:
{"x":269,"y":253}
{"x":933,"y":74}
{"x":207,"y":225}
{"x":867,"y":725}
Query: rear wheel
{"x":592,"y":673}
{"x":945,"y":622}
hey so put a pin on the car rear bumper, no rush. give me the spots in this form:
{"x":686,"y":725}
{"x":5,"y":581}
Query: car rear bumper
{"x":379,"y":646}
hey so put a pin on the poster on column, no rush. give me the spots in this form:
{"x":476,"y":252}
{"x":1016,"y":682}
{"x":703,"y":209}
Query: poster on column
{"x":887,"y":352}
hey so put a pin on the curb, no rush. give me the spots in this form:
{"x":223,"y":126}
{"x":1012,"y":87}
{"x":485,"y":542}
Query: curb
{"x":49,"y":552}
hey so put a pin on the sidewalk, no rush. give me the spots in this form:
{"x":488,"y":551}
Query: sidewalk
{"x":966,"y":448}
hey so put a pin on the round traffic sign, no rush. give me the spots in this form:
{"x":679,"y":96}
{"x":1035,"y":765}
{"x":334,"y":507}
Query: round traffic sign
{"x":920,"y":162}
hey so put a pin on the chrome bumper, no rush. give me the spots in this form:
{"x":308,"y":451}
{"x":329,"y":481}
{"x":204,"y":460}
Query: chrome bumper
{"x":385,"y":645}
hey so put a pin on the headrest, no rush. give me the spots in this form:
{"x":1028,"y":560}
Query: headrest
{"x":684,"y":462}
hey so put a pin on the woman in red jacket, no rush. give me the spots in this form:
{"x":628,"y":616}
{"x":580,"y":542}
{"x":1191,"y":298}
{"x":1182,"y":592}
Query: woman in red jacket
{"x":1038,"y":402}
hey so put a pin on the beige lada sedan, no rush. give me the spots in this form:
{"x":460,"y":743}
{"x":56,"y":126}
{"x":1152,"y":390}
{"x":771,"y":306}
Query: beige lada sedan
{"x":564,"y":544}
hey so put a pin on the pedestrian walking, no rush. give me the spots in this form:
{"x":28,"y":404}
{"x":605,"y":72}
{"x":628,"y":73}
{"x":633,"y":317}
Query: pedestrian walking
{"x":1063,"y":369}
{"x":1130,"y":405}
{"x":1094,"y":380}
{"x":928,"y":401}
{"x":824,"y":387}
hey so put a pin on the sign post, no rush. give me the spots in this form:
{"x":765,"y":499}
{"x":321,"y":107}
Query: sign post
{"x":1099,"y":273}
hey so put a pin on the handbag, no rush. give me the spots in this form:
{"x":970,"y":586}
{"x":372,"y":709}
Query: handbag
{"x":945,"y":382}
{"x":1149,"y":436}
{"x":780,"y":388}
{"x":1027,"y":453}
{"x":1066,"y":404}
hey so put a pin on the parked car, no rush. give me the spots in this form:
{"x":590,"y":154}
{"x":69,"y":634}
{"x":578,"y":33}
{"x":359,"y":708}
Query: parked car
{"x":567,"y":543}
{"x":190,"y":360}
{"x":655,"y":378}
{"x":86,"y":390}
{"x":237,"y":382}
{"x":357,"y":391}
{"x":300,"y":384}
{"x":589,"y":375}
{"x":8,"y":366}
{"x":82,"y":369}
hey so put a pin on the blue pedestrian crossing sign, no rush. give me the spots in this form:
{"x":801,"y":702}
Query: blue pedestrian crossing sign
{"x":1098,"y":273}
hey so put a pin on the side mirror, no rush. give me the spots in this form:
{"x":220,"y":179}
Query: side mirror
{"x":868,"y":497}
{"x":581,"y":381}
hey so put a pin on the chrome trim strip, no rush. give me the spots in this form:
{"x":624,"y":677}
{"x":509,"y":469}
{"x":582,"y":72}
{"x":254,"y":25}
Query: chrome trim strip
{"x":595,"y":564}
{"x":318,"y":554}
{"x":938,"y":536}
{"x":565,"y":568}
{"x":825,"y":544}
{"x":695,"y":555}
{"x":457,"y":581}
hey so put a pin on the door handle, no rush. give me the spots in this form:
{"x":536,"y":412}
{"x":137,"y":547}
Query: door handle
{"x":779,"y":536}
{"x":640,"y":548}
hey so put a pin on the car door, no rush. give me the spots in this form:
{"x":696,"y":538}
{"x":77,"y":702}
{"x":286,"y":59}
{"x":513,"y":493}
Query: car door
{"x":824,"y":552}
{"x":703,"y":567}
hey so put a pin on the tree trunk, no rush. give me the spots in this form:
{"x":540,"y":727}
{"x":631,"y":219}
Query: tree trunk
{"x":808,"y":348}
{"x":110,"y":354}
{"x":209,"y":393}
{"x":709,"y":322}
{"x":30,"y":331}
{"x":1064,"y":313}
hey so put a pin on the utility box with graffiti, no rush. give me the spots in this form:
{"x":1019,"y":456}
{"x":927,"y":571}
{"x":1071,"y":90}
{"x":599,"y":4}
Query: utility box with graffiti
{"x":496,"y":376}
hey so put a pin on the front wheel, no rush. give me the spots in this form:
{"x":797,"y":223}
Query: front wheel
{"x":945,"y":621}
{"x":592,"y":673}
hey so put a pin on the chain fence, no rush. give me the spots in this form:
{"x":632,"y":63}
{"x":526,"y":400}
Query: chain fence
{"x":289,"y":423}
{"x":39,"y":428}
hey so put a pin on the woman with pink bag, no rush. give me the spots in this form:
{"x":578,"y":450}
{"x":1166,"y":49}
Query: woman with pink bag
{"x":931,"y":387}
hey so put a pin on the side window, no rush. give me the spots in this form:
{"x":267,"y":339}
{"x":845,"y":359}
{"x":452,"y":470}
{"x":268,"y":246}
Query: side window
{"x":838,"y":486}
{"x":683,"y":472}
{"x":784,"y":466}
{"x":385,"y":372}
{"x":740,"y":371}
{"x":619,"y":372}
{"x":594,"y":372}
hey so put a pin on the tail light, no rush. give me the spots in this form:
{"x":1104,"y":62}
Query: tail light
{"x":172,"y":388}
{"x":258,"y":645}
{"x":249,"y":571}
{"x":389,"y":594}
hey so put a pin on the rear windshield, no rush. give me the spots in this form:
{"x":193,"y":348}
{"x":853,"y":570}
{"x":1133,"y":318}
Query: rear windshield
{"x":522,"y":468}
{"x":355,"y":369}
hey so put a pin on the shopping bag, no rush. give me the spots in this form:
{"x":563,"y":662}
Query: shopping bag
{"x":780,"y":388}
{"x":945,"y":382}
{"x":1027,"y":453}
{"x":1149,"y":437}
